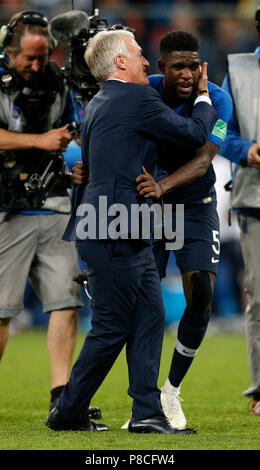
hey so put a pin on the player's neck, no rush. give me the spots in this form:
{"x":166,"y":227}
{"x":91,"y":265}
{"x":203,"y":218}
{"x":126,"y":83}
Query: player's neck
{"x":170,"y":98}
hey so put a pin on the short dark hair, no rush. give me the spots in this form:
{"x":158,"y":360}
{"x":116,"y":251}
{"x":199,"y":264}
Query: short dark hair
{"x":178,"y":41}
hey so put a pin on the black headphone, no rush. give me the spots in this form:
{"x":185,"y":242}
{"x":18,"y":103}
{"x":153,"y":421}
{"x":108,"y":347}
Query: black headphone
{"x":257,"y":19}
{"x":27,"y":17}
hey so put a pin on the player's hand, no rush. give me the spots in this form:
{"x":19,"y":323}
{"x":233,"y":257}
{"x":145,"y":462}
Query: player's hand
{"x":202,"y":89}
{"x":79,"y":173}
{"x":253,"y":156}
{"x":54,"y":140}
{"x":147,"y":187}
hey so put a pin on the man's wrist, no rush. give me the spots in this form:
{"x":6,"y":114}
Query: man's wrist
{"x":202,"y":98}
{"x":161,"y":188}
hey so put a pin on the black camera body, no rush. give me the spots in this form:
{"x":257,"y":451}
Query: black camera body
{"x":21,"y":189}
{"x":76,"y":28}
{"x":77,"y":72}
{"x":26,"y":186}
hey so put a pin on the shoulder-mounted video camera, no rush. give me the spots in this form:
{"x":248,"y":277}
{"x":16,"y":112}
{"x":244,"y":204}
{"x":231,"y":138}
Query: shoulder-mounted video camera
{"x":23,"y":190}
{"x":76,"y":28}
{"x":27,"y":185}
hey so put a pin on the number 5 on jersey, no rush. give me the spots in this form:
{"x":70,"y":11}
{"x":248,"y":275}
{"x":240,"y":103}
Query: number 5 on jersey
{"x":215,"y":246}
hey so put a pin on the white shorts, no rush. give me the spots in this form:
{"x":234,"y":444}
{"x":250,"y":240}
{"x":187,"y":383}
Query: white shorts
{"x":31,"y":247}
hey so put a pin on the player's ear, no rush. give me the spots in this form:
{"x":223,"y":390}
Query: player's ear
{"x":161,"y":66}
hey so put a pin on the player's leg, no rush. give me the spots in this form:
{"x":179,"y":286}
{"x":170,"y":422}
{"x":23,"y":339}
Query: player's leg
{"x":197,"y":261}
{"x":198,"y":288}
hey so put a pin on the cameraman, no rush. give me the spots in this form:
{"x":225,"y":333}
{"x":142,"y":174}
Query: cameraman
{"x":34,"y":111}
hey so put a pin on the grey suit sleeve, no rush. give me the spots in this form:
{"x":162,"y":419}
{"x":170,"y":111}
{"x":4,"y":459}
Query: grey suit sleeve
{"x":159,"y":121}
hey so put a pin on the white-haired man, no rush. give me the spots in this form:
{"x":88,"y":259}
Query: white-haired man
{"x":124,"y":122}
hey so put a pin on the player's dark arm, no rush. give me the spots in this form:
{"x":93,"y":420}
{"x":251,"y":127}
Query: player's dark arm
{"x":185,"y":175}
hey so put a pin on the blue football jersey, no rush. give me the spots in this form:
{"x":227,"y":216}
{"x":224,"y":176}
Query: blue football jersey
{"x":172,"y":158}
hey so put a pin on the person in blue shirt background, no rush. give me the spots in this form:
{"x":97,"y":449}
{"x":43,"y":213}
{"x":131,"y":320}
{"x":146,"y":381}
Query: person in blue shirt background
{"x":242,"y":147}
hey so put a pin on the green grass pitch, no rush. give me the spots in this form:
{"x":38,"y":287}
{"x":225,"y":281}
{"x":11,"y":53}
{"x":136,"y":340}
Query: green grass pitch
{"x":212,"y":392}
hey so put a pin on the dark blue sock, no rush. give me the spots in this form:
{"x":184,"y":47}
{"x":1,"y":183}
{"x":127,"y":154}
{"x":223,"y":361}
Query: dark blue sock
{"x":191,"y":331}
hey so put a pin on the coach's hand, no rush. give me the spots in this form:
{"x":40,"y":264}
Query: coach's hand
{"x":147,"y":187}
{"x":79,"y":173}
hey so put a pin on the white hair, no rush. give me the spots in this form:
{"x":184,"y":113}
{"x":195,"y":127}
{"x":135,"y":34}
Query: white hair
{"x":102,"y":50}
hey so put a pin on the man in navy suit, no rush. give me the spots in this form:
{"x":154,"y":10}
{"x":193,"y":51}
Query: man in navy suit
{"x":124,"y":123}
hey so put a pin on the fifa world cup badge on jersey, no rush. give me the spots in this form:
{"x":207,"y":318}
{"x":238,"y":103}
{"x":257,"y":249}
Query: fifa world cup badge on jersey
{"x":220,"y":129}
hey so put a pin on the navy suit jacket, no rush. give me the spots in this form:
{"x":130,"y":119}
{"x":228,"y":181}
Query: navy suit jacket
{"x":124,"y":124}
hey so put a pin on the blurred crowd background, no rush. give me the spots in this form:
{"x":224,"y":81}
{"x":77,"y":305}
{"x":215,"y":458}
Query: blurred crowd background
{"x":222,"y":27}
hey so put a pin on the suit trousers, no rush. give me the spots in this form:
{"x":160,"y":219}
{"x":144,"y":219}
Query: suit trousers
{"x":127,"y":308}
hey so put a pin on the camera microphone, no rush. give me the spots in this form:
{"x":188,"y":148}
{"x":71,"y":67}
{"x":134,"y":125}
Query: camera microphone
{"x":76,"y":27}
{"x":68,"y":25}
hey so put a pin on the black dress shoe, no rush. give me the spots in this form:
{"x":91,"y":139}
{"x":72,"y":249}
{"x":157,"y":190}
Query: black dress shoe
{"x":94,"y":412}
{"x":158,"y":424}
{"x":56,"y":422}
